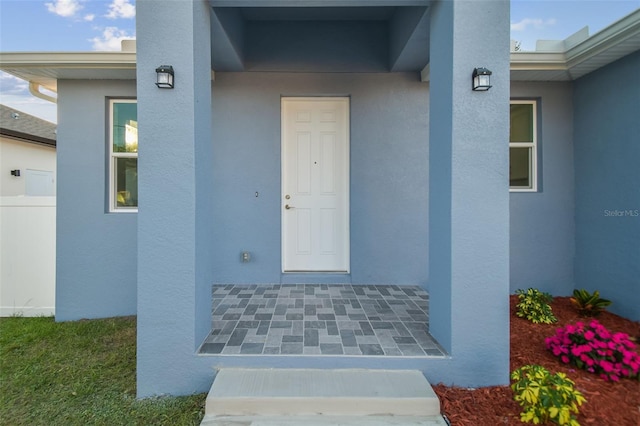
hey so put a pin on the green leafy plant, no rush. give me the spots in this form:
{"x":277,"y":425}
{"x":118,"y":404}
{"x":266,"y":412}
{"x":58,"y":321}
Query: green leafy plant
{"x":534,"y":306}
{"x":589,"y":304}
{"x":546,"y":397}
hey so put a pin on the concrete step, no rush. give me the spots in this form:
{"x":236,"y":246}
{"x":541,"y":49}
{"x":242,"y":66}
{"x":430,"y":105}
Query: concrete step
{"x":323,"y":421}
{"x":270,"y":397}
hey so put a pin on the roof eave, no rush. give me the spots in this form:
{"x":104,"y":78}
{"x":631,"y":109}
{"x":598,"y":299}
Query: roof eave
{"x":70,"y":59}
{"x":45,"y":68}
{"x":38,"y":140}
{"x":622,"y":36}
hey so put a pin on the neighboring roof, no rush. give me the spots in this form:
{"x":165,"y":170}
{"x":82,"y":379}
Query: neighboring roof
{"x":560,"y":61}
{"x":18,"y":124}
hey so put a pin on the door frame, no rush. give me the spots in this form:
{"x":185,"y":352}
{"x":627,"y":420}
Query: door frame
{"x":346,"y":177}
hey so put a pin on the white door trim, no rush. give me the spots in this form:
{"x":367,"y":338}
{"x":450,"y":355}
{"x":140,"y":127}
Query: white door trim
{"x":341,"y":260}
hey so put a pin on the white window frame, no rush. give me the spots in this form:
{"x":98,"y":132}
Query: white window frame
{"x":532,"y":144}
{"x":113,"y":206}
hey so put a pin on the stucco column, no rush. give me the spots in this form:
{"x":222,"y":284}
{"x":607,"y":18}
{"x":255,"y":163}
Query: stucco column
{"x":174,"y":180}
{"x":469,"y":194}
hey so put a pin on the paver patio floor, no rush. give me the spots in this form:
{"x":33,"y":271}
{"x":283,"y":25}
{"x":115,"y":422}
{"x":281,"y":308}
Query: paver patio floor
{"x":320,"y":320}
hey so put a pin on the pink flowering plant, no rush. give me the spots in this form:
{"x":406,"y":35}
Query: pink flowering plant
{"x":594,"y":348}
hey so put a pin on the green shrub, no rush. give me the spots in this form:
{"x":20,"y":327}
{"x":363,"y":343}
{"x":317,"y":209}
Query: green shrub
{"x":589,"y":304}
{"x":534,"y":306}
{"x":545,"y":397}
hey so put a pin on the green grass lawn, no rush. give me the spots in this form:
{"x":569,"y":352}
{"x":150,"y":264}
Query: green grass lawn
{"x":79,"y":373}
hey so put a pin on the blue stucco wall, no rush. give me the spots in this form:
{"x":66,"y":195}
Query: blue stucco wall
{"x":607,"y":175}
{"x":542,"y":223}
{"x":174,"y":220}
{"x":469,"y":199}
{"x":389,"y":173}
{"x":96,"y":251}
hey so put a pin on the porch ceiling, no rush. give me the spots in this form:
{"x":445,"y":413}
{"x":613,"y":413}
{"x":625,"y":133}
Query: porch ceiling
{"x":357,"y":36}
{"x":383,"y":13}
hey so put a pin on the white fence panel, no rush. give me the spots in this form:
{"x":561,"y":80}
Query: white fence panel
{"x":27,"y":256}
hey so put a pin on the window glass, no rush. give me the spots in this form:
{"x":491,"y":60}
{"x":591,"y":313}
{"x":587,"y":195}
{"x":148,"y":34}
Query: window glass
{"x":519,"y":167}
{"x":126,"y":171}
{"x":125,"y":127}
{"x":521,"y":129}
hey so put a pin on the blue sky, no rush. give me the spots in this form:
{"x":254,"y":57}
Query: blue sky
{"x":87,"y":25}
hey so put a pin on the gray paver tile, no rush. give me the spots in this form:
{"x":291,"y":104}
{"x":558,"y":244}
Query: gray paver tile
{"x":331,"y":349}
{"x":251,"y":348}
{"x":371,"y":349}
{"x":291,"y":349}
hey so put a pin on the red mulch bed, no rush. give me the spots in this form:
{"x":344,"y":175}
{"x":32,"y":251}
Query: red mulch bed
{"x":608,"y":403}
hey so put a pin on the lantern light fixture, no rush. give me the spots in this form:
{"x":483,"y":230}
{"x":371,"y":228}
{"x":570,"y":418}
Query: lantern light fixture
{"x":164,"y":77}
{"x":481,"y":79}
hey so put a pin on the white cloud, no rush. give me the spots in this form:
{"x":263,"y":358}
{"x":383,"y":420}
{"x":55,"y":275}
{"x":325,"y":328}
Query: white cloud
{"x":121,"y":9}
{"x":65,"y":8}
{"x":111,"y":39}
{"x":536,"y":23}
{"x":14,"y":93}
{"x":90,"y":17}
{"x":12,"y":86}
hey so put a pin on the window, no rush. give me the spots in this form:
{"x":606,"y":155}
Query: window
{"x":523,"y":146}
{"x":123,"y":155}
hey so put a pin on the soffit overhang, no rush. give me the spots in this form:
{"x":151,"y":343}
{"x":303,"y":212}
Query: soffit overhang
{"x":46,"y":68}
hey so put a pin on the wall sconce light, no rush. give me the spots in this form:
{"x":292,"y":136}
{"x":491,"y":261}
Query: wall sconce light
{"x":164,"y":77}
{"x":15,"y":173}
{"x":481,"y":79}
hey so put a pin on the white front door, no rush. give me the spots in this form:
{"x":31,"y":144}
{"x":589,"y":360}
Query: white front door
{"x":315,"y":184}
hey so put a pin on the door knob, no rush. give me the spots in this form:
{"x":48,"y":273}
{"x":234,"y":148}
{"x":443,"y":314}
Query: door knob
{"x":288,"y":207}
